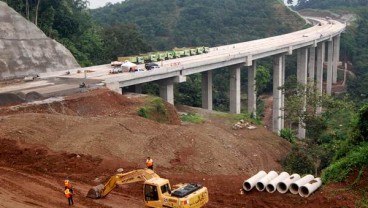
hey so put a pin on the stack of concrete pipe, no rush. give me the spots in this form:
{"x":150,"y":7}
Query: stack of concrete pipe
{"x":283,"y":183}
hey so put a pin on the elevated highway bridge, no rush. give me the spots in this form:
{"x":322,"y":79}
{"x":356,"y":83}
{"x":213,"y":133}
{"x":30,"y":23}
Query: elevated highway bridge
{"x":309,"y":45}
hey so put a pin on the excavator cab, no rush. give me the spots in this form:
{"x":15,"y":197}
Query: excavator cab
{"x":155,"y":190}
{"x":158,"y":193}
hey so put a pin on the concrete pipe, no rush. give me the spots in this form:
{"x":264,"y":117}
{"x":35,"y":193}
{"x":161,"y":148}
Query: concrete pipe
{"x":310,"y":187}
{"x":283,"y":186}
{"x":261,"y":185}
{"x":294,"y":187}
{"x":251,"y":182}
{"x":271,"y":186}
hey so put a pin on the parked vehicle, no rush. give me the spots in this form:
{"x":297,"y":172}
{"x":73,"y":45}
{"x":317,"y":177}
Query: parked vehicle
{"x":150,"y":66}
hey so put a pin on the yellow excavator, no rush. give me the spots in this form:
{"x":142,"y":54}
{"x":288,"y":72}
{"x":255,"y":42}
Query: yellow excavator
{"x":157,"y":191}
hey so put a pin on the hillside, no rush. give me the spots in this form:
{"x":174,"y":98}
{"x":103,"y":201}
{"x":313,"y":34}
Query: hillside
{"x":87,"y":136}
{"x":26,"y":50}
{"x":166,"y":24}
{"x":330,"y":4}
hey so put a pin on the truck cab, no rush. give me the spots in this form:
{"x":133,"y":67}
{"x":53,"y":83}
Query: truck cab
{"x":158,"y":193}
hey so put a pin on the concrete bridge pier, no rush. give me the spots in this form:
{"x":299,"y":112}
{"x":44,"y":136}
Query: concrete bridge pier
{"x":329,"y":67}
{"x":283,"y":92}
{"x":252,"y":93}
{"x":319,"y":75}
{"x":311,"y":64}
{"x":207,"y":90}
{"x":167,"y":90}
{"x":278,"y":72}
{"x":302,"y":67}
{"x":235,"y":89}
{"x":336,"y":53}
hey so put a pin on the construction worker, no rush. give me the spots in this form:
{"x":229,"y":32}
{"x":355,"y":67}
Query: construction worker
{"x":69,"y":195}
{"x":149,"y":163}
{"x":67,"y":182}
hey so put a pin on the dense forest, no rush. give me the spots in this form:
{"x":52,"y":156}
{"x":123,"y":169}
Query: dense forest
{"x":182,"y":23}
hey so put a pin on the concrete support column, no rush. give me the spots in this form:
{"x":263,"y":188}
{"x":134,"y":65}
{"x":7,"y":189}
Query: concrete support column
{"x":283,"y":93}
{"x":329,"y":67}
{"x":336,"y":57}
{"x":138,"y":88}
{"x":319,"y":75}
{"x":302,"y":79}
{"x":252,"y":93}
{"x":207,"y":90}
{"x":311,"y":64}
{"x":167,"y":90}
{"x":277,"y":93}
{"x":235,"y":89}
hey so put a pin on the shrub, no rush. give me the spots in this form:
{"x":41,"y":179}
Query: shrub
{"x":143,"y":112}
{"x":288,"y":134}
{"x":298,"y":162}
{"x":355,"y":159}
{"x":154,"y":109}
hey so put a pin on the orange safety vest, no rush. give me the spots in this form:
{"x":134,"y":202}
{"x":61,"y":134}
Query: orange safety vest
{"x":67,"y":183}
{"x":149,"y":163}
{"x":67,"y":193}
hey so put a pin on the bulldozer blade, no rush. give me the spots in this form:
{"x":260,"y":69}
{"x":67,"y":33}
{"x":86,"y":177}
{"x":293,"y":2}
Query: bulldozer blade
{"x":95,"y":192}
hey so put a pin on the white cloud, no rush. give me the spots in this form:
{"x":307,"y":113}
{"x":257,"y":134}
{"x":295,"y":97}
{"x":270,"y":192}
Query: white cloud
{"x":93,"y":4}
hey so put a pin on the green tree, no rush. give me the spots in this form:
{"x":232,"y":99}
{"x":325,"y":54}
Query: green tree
{"x":263,"y":78}
{"x":123,"y":40}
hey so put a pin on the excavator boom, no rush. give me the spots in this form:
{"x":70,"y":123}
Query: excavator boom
{"x":101,"y":190}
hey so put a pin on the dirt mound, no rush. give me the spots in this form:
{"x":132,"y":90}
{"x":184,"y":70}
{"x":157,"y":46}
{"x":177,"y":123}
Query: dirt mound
{"x":33,"y":96}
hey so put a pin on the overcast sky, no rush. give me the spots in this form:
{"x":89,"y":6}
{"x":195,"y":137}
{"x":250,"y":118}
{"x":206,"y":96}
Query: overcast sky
{"x":93,"y":4}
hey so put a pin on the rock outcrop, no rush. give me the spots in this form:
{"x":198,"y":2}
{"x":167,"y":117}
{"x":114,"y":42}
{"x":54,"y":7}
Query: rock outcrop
{"x":26,"y":50}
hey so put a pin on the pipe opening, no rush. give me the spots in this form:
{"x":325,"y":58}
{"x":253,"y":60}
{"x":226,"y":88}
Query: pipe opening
{"x":247,"y":186}
{"x":294,"y":188}
{"x":270,"y":188}
{"x":281,"y":187}
{"x":304,"y":191}
{"x":260,"y":186}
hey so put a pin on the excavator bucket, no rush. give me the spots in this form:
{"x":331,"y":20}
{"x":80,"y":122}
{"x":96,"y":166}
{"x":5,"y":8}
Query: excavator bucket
{"x":95,"y":192}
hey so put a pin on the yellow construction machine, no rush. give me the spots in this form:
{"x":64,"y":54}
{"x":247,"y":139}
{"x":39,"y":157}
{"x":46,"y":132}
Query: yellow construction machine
{"x":157,"y":191}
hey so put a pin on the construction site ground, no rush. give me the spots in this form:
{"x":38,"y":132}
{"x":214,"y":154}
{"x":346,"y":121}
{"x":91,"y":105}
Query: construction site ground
{"x":88,"y":136}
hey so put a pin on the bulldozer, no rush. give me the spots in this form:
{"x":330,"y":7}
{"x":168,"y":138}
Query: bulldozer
{"x":157,"y":191}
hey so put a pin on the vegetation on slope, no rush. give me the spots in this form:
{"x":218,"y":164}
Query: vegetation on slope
{"x":330,"y":4}
{"x":181,"y":23}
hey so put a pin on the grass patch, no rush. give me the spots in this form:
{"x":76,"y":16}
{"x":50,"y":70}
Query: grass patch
{"x":238,"y":117}
{"x":154,"y":109}
{"x":192,"y":118}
